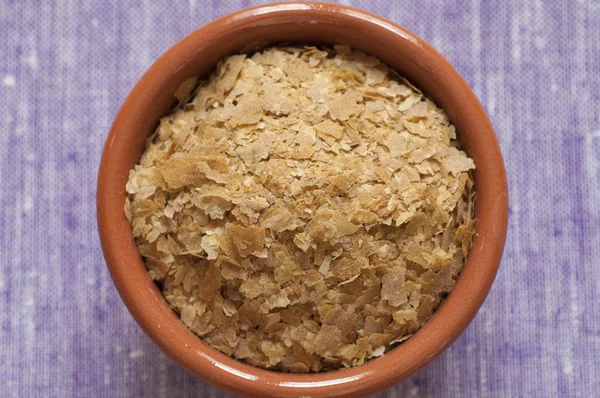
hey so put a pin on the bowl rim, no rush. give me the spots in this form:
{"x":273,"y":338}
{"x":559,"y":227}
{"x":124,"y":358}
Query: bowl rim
{"x":152,"y":313}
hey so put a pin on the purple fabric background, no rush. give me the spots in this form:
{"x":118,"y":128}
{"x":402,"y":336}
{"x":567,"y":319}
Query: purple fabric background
{"x":65,"y":68}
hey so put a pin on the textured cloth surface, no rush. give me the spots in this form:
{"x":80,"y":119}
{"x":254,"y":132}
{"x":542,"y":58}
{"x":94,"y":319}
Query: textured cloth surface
{"x":66,"y":67}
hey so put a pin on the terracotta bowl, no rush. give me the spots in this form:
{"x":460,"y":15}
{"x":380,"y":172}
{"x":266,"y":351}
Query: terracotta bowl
{"x":196,"y":55}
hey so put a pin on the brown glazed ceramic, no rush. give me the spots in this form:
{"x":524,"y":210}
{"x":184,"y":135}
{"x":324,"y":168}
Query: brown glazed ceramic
{"x":196,"y":55}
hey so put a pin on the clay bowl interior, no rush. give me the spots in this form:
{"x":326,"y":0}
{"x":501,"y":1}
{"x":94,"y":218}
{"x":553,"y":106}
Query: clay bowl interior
{"x":196,"y":55}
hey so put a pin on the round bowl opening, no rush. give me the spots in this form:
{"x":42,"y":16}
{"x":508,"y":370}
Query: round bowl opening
{"x":196,"y":55}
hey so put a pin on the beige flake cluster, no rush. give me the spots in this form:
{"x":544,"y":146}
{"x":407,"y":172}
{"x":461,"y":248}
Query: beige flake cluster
{"x":304,"y":209}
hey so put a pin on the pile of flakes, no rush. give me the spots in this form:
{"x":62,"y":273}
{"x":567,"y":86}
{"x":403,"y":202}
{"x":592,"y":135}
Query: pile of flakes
{"x":304,"y":209}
